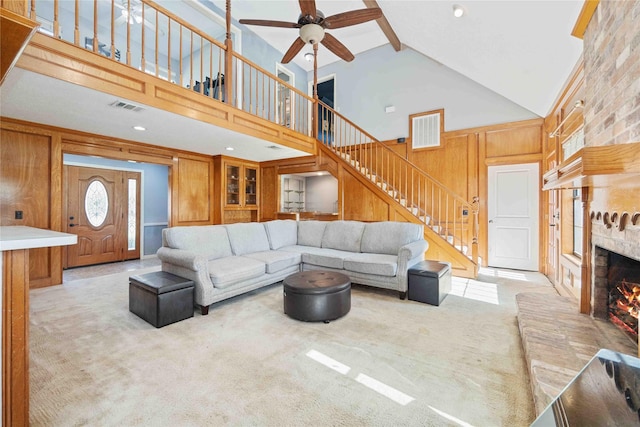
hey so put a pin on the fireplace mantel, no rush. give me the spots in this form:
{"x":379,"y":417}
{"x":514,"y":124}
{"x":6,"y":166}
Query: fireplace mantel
{"x":596,"y":167}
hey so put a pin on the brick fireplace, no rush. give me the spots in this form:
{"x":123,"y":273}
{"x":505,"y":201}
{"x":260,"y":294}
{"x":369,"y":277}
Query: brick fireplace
{"x":612,"y":117}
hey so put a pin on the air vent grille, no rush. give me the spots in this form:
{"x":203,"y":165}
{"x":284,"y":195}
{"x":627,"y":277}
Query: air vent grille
{"x":126,"y":106}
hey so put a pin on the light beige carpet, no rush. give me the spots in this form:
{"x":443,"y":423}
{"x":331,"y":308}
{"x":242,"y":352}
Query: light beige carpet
{"x":386,"y":363}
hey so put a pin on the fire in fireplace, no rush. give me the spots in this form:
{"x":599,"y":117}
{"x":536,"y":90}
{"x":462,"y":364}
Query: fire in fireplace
{"x":624,"y":293}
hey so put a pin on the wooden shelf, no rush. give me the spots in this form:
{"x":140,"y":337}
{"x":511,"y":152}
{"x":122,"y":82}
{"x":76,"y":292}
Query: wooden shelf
{"x":595,"y":167}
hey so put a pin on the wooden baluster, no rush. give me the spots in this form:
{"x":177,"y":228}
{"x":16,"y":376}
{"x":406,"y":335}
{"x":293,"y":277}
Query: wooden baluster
{"x":76,"y":30}
{"x":169,"y":49}
{"x":181,"y":75}
{"x":113,"y":30}
{"x":201,"y":65}
{"x":56,"y":19}
{"x":191,"y":59}
{"x":212,"y":94}
{"x":95,"y":26}
{"x":128,"y":34}
{"x":228,"y":70}
{"x":157,"y":59}
{"x":476,"y":227}
{"x":143,"y":43}
{"x":33,"y":15}
{"x":455,"y":220}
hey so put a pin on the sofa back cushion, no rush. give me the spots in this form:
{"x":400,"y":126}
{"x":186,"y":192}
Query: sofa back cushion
{"x":209,"y":240}
{"x":388,"y":237}
{"x":343,"y":235}
{"x":247,"y":237}
{"x":310,"y":233}
{"x":281,"y":232}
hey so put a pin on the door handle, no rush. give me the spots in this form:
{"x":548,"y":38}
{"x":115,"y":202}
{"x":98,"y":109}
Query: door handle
{"x":552,"y":225}
{"x":73,"y":225}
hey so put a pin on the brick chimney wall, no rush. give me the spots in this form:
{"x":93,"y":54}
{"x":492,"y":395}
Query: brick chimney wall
{"x":612,"y":74}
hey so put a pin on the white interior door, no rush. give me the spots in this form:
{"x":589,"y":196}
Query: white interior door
{"x":513,"y":210}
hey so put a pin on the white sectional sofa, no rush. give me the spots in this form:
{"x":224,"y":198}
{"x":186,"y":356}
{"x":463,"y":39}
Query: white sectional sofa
{"x":229,"y":260}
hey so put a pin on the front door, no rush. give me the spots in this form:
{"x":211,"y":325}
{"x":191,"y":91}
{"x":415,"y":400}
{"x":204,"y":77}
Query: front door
{"x":513,"y":210}
{"x":102,"y":207}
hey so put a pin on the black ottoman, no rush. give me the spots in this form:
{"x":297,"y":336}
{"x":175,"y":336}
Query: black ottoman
{"x":161,"y":298}
{"x":317,"y":295}
{"x":429,"y":281}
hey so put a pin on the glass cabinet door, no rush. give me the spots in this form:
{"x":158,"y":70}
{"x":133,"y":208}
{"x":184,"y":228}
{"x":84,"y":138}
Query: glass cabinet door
{"x":233,"y":185}
{"x":251,"y":186}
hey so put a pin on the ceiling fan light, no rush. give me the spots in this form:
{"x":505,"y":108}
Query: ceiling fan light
{"x":458,"y":11}
{"x":311,"y":33}
{"x":308,"y":56}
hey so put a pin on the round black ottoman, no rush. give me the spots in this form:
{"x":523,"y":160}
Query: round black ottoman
{"x":317,"y":295}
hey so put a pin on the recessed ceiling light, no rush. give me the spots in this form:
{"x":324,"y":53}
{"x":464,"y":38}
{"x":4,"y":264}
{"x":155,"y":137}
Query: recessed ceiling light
{"x":458,"y":10}
{"x":229,"y":148}
{"x":140,"y":128}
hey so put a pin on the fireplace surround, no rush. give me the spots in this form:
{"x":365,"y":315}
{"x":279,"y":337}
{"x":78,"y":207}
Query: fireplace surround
{"x":616,"y":282}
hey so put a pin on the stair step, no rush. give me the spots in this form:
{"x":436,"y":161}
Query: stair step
{"x":403,"y":202}
{"x":425,"y":219}
{"x":414,"y":211}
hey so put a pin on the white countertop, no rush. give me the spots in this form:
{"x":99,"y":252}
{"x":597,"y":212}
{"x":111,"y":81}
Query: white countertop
{"x":21,"y":237}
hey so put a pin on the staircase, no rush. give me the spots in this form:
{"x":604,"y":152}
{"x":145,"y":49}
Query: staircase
{"x":450,"y":222}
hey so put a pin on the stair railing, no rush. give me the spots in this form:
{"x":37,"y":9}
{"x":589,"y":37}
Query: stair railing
{"x":452,"y":217}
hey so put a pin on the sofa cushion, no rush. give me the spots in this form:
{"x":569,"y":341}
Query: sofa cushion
{"x":211,"y":241}
{"x":281,"y":232}
{"x":310,"y":233}
{"x":378,"y":264}
{"x":276,"y":260}
{"x":247,"y":237}
{"x":330,"y":258}
{"x":228,"y":271}
{"x":388,"y":237}
{"x":343,"y":235}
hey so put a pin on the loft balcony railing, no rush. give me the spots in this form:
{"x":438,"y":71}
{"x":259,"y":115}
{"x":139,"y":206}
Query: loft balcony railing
{"x":147,"y":37}
{"x":452,"y":217}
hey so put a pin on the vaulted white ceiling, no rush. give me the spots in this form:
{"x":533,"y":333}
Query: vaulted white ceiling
{"x":521,"y":49}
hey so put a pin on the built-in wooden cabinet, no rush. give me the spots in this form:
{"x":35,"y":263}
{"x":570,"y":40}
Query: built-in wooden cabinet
{"x":236,"y":190}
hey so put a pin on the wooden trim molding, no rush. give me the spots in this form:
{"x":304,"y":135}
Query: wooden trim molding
{"x":15,"y":338}
{"x":16,"y":33}
{"x":588,"y":9}
{"x":596,"y":167}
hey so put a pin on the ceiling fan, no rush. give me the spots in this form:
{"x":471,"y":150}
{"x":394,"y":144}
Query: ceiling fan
{"x":312,"y":24}
{"x":132,"y":13}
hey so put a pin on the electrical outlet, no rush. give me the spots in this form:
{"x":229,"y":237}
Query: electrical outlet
{"x":18,"y":214}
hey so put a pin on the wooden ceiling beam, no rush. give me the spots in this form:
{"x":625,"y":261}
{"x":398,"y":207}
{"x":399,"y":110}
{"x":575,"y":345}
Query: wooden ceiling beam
{"x":385,"y":26}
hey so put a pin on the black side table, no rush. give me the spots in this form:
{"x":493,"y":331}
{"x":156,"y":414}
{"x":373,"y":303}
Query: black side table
{"x":429,"y":281}
{"x":161,"y":298}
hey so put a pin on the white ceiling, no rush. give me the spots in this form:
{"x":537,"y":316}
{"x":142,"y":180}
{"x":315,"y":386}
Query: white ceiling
{"x":521,"y":49}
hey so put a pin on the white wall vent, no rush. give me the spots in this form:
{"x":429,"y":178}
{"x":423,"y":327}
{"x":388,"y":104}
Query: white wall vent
{"x":126,"y":106}
{"x":425,"y":131}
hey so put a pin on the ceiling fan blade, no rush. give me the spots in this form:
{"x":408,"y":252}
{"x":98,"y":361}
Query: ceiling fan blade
{"x":267,"y":23}
{"x":336,"y":47}
{"x":296,"y":47}
{"x":308,"y":7}
{"x":353,"y":17}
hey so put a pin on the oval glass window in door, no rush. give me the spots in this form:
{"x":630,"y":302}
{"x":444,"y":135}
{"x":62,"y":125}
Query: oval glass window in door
{"x":96,"y":203}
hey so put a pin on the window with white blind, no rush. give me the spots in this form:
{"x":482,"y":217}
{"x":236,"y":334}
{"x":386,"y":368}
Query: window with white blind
{"x":425,"y":130}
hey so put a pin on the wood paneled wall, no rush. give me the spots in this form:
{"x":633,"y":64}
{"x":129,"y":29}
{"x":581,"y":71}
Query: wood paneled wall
{"x":31,"y":157}
{"x":460,"y":163}
{"x":462,"y":160}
